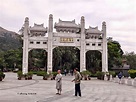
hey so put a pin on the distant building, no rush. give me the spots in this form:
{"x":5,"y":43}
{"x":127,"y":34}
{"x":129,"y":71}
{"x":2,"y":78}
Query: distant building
{"x":124,"y":68}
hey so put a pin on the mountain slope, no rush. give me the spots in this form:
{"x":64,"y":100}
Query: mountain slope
{"x":9,"y":40}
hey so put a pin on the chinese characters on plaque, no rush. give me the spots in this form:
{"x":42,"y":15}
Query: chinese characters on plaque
{"x":66,"y":40}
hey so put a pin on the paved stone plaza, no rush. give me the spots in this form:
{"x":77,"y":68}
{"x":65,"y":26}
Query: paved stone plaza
{"x":38,"y":90}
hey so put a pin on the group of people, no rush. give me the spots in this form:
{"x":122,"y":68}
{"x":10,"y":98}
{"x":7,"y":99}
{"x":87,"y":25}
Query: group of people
{"x":70,"y":72}
{"x":77,"y":81}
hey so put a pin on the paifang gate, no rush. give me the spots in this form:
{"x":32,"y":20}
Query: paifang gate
{"x":67,"y":33}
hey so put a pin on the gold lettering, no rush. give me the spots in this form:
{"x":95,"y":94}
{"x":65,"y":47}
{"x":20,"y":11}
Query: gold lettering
{"x":66,"y":40}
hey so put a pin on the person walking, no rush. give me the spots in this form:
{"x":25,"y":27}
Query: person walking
{"x":120,"y":76}
{"x":59,"y":82}
{"x":65,"y":72}
{"x":71,"y":71}
{"x":77,"y":81}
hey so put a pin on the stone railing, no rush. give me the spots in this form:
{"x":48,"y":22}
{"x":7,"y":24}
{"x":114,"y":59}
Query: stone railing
{"x":128,"y":81}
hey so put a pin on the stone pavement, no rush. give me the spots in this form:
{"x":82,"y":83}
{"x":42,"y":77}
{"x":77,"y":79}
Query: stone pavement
{"x":38,"y":90}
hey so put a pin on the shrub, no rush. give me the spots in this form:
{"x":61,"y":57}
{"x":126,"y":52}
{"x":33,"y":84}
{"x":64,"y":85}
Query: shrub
{"x":112,"y":73}
{"x":26,"y":76}
{"x":19,"y":74}
{"x":30,"y":74}
{"x":41,"y":73}
{"x":132,"y":73}
{"x":86,"y":74}
{"x":45,"y":76}
{"x":34,"y":72}
{"x":94,"y":75}
{"x":53,"y":75}
{"x":100,"y":75}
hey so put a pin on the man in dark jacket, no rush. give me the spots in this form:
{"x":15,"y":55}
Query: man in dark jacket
{"x":120,"y":76}
{"x":77,"y":81}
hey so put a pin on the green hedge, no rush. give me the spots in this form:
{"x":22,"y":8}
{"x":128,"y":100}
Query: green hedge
{"x":100,"y":75}
{"x":34,"y":72}
{"x":27,"y":76}
{"x":86,"y":73}
{"x":112,"y":73}
{"x":132,"y":73}
{"x":93,"y":75}
{"x":54,"y":73}
{"x":41,"y":73}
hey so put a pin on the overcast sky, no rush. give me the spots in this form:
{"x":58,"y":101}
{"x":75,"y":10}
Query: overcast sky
{"x":120,"y":16}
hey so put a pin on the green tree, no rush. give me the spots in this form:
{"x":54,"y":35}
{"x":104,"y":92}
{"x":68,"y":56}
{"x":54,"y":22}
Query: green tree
{"x":65,"y":58}
{"x":114,"y":54}
{"x":2,"y":61}
{"x":13,"y":58}
{"x":93,"y":61}
{"x":131,"y":59}
{"x":37,"y":59}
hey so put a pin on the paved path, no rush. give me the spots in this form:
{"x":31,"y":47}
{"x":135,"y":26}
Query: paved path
{"x":38,"y":90}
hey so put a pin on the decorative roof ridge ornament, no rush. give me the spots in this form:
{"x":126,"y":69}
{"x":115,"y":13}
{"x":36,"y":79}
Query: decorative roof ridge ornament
{"x":39,"y":25}
{"x":60,"y":21}
{"x":50,"y":16}
{"x":73,"y":21}
{"x":66,"y":24}
{"x":26,"y":19}
{"x":93,"y":27}
{"x":83,"y":19}
{"x":93,"y":30}
{"x":104,"y":23}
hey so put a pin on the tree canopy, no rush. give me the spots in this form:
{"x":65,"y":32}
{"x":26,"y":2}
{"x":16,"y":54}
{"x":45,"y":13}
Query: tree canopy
{"x":114,"y":54}
{"x":131,"y":59}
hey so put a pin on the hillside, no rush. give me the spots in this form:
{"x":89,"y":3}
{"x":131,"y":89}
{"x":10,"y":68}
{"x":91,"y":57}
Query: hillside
{"x":9,"y":40}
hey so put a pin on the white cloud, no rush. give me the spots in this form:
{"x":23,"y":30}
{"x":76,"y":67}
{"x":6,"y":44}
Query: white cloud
{"x":119,"y":15}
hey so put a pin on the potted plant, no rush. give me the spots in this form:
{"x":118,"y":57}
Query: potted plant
{"x":25,"y":76}
{"x":2,"y":76}
{"x":86,"y":75}
{"x":112,"y":73}
{"x":30,"y":74}
{"x":100,"y":75}
{"x":20,"y":75}
{"x":53,"y":75}
{"x":45,"y":76}
{"x":132,"y":73}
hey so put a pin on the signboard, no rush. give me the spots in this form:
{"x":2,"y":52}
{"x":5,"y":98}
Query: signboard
{"x":66,"y":40}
